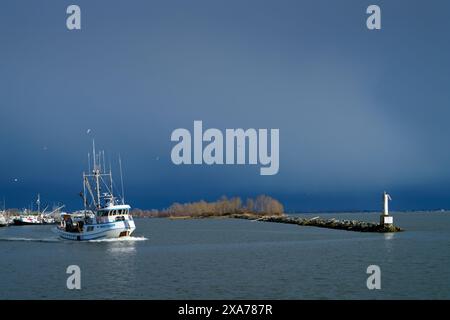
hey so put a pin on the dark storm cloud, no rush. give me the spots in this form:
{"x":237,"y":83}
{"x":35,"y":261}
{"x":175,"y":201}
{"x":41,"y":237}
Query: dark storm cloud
{"x":358,"y":111}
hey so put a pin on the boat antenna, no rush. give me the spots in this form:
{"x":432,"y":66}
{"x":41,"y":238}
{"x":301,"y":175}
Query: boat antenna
{"x":111,"y":180}
{"x":121,"y":179}
{"x":103,"y":154}
{"x":89,"y":162}
{"x":38,"y":202}
{"x":93,"y":151}
{"x":100,"y":160}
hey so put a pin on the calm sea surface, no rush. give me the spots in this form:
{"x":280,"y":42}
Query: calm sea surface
{"x":232,"y":259}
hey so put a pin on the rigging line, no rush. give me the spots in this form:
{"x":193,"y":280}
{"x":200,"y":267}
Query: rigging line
{"x":88,"y":185}
{"x":107,"y":188}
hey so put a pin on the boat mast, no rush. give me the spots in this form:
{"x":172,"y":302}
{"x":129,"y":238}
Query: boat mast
{"x":98,"y":176}
{"x":89,"y":162}
{"x":38,"y":202}
{"x":84,"y":193}
{"x":103,"y":156}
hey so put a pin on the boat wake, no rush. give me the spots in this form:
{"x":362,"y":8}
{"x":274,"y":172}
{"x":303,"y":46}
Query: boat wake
{"x":30,"y":239}
{"x":122,"y":239}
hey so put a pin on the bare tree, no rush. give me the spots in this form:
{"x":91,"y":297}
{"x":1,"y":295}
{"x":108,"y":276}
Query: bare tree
{"x":262,"y":205}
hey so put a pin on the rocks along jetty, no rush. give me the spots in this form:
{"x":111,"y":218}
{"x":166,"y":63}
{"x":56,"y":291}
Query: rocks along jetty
{"x":349,"y":225}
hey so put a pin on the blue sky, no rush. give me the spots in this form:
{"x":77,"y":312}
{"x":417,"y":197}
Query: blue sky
{"x":359,"y":111}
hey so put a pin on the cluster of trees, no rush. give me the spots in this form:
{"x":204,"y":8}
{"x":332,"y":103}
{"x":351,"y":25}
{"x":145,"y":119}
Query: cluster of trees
{"x":261,"y":205}
{"x":139,"y":213}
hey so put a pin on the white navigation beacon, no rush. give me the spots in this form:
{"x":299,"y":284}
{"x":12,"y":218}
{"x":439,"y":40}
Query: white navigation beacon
{"x":385,"y":218}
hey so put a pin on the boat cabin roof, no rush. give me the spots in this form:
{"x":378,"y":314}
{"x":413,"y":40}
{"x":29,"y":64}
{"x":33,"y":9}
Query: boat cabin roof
{"x":116,"y":207}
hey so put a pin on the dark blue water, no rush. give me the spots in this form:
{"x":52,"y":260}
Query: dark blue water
{"x":232,"y":259}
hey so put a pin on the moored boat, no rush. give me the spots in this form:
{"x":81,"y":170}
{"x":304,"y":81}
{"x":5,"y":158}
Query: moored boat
{"x":3,"y":221}
{"x":27,"y":219}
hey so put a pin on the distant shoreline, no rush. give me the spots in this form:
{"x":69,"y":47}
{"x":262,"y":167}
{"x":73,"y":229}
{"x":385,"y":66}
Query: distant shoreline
{"x":230,"y":215}
{"x":261,"y":205}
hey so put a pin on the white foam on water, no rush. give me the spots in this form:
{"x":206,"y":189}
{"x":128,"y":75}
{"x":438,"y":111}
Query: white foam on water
{"x":121,"y":239}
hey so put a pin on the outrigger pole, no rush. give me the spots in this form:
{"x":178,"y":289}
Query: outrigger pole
{"x":121,"y":179}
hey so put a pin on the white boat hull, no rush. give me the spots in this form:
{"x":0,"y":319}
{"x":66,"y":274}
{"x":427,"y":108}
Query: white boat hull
{"x":99,"y":231}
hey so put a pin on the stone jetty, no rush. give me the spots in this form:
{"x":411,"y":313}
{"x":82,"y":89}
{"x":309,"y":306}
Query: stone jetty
{"x":349,"y":225}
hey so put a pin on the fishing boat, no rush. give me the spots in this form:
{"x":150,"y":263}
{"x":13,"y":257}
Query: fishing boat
{"x":36,"y":218}
{"x":27,"y":217}
{"x":27,"y":220}
{"x":105,"y":216}
{"x":48,"y":220}
{"x":52,"y":217}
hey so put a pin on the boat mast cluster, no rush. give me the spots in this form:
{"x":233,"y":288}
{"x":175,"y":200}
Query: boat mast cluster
{"x":99,"y":180}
